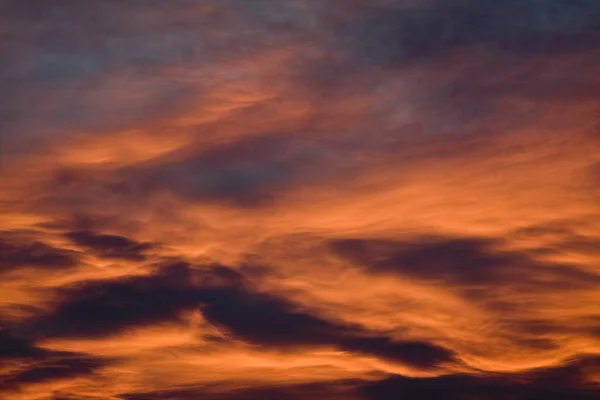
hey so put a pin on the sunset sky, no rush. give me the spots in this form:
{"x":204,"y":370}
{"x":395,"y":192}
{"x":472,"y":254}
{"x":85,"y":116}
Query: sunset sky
{"x":299,"y":199}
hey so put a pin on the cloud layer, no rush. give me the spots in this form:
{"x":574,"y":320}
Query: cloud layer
{"x":362,"y":200}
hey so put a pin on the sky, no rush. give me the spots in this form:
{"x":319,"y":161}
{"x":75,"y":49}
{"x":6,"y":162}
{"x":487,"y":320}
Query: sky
{"x":299,"y":199}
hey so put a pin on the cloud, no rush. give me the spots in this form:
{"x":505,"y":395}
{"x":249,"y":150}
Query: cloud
{"x":544,"y":384}
{"x":272,"y":322}
{"x":387,"y":33}
{"x":415,"y":353}
{"x":247,"y":172}
{"x":18,"y":252}
{"x":266,"y":320}
{"x":554,"y":383}
{"x":105,"y":307}
{"x":98,"y":309}
{"x":463,"y":260}
{"x":36,"y":365}
{"x":319,"y":391}
{"x":110,"y":246}
{"x":558,"y":237}
{"x":12,"y":346}
{"x":68,"y":52}
{"x":53,"y":369}
{"x":363,"y":199}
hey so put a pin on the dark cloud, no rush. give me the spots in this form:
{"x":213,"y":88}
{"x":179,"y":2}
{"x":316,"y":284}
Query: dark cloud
{"x":110,"y":246}
{"x":266,"y":320}
{"x":247,"y":172}
{"x":468,"y":261}
{"x":343,"y":390}
{"x":390,"y":33}
{"x":480,"y":270}
{"x":99,"y":308}
{"x":54,"y":368}
{"x":96,"y":309}
{"x":416,"y":353}
{"x":35,"y":365}
{"x":14,"y":347}
{"x":18,"y":252}
{"x":552,"y":384}
{"x":549,"y":384}
{"x":270,"y":321}
{"x":470,"y":62}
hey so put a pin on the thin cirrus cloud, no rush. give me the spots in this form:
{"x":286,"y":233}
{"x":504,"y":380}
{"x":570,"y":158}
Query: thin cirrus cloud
{"x":363,"y":200}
